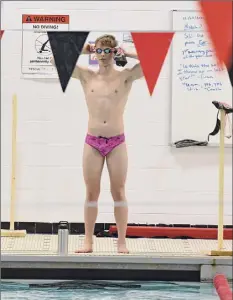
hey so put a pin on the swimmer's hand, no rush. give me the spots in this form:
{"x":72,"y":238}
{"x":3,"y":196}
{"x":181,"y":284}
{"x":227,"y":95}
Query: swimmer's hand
{"x":88,"y":49}
{"x":119,"y":51}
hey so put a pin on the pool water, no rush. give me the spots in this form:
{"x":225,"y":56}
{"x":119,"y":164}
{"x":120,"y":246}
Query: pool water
{"x":105,"y":290}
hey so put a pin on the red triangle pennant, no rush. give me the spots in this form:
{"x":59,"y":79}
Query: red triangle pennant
{"x":218,"y":18}
{"x":1,"y":33}
{"x":152,"y":48}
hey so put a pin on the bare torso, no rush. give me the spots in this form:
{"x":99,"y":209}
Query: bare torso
{"x":106,"y":97}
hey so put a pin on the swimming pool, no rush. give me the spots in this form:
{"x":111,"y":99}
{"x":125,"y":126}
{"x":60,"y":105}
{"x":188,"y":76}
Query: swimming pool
{"x":106,"y":290}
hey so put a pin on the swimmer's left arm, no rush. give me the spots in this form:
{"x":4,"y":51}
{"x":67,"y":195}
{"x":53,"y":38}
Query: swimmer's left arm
{"x":136,"y":71}
{"x":130,"y":54}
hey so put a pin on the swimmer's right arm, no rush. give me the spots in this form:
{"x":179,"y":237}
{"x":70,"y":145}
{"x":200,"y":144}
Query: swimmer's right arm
{"x":79,"y":72}
{"x":82,"y":72}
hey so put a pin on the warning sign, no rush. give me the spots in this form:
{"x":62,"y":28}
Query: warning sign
{"x":55,"y":19}
{"x":36,"y":50}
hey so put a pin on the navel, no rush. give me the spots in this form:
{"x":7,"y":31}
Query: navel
{"x":92,"y":91}
{"x":116,"y":91}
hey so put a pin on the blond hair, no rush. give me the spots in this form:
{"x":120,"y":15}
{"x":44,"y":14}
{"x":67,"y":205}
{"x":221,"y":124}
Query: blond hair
{"x":107,"y":40}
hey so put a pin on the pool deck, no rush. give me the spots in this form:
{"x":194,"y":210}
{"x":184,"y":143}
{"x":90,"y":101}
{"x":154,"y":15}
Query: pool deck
{"x":35,"y":257}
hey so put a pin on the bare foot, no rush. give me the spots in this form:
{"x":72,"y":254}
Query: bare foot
{"x":87,"y":248}
{"x":121,"y":248}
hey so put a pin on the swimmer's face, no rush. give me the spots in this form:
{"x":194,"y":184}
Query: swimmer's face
{"x":104,"y":49}
{"x":104,"y":54}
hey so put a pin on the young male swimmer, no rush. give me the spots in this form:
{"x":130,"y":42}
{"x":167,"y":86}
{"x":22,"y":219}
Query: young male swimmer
{"x":106,"y":91}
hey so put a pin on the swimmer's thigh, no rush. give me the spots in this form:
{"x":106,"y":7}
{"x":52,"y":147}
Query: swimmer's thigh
{"x":93,"y":163}
{"x":117,"y":163}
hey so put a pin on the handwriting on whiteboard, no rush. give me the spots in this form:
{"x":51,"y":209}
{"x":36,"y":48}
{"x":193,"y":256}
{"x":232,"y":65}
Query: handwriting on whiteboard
{"x":197,"y":70}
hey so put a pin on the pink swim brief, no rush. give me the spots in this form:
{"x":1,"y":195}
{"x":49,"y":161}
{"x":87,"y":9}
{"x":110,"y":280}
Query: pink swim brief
{"x":104,"y":145}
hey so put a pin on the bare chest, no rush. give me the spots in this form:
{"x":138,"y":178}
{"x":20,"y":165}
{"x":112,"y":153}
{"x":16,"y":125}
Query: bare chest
{"x":106,"y":88}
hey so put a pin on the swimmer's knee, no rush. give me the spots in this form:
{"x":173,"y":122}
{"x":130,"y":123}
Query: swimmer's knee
{"x":118,"y":194}
{"x":92,"y":195}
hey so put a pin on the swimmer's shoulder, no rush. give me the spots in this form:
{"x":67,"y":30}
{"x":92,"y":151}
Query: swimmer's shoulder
{"x":92,"y":72}
{"x":123,"y":74}
{"x":120,"y":72}
{"x":88,"y":73}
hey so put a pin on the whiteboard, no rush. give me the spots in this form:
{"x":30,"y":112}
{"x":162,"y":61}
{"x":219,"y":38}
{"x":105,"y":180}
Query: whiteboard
{"x":196,"y":81}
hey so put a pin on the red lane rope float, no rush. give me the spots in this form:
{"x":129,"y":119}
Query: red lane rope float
{"x":222,"y":287}
{"x":174,"y":232}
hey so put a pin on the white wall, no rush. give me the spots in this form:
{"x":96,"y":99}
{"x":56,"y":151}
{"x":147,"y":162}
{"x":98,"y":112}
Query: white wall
{"x":164,"y":185}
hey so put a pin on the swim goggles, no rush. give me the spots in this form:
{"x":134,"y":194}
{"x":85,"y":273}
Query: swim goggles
{"x":106,"y":51}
